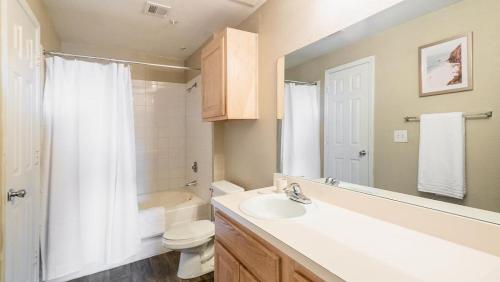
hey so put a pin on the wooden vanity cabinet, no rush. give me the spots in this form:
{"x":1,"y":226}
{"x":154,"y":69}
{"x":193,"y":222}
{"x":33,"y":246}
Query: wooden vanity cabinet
{"x":302,"y":274}
{"x":246,"y":276}
{"x":229,"y":76}
{"x":227,"y":268}
{"x":240,"y":255}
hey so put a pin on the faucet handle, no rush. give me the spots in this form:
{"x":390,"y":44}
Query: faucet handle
{"x":293,"y":188}
{"x":294,"y":193}
{"x":331,"y":181}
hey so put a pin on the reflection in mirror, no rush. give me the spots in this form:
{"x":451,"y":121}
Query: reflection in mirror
{"x":302,"y":155}
{"x":404,"y":101}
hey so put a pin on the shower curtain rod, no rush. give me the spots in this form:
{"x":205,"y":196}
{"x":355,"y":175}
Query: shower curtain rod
{"x":300,"y":82}
{"x":53,"y":53}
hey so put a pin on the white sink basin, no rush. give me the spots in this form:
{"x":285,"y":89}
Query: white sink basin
{"x":273,"y":206}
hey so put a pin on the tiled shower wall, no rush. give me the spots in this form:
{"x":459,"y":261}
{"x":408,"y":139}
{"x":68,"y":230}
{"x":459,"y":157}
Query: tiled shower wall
{"x":198,"y":142}
{"x":160,"y":133}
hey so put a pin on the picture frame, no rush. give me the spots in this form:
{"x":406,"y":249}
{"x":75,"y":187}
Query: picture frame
{"x":446,"y":66}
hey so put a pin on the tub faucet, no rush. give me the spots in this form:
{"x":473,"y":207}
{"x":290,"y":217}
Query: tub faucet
{"x":191,"y":183}
{"x":332,"y":181}
{"x":294,"y":193}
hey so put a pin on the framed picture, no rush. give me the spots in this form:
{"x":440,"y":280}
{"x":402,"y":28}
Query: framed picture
{"x":446,"y":66}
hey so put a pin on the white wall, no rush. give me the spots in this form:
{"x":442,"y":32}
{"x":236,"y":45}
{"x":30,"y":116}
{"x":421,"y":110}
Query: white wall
{"x":160,"y":129}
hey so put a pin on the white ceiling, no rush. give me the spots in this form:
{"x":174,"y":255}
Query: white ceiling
{"x":122,"y":23}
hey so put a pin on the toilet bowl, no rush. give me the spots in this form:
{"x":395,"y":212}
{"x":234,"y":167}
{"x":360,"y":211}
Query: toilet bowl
{"x":194,"y":240}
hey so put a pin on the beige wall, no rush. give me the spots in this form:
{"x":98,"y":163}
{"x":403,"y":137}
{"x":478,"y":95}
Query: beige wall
{"x":138,"y":71}
{"x":48,"y":36}
{"x":218,"y":152}
{"x":396,"y":96}
{"x":2,"y":189}
{"x":194,"y":61}
{"x":50,"y":41}
{"x":283,"y":26}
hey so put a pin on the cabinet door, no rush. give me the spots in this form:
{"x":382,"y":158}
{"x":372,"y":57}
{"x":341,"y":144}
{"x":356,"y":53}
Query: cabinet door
{"x":213,"y":75}
{"x":263,"y":262}
{"x":227,"y":268}
{"x":246,"y":276}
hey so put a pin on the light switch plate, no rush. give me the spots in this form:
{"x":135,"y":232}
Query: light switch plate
{"x":401,"y":136}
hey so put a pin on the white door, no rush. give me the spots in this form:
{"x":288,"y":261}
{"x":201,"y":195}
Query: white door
{"x":348,"y":122}
{"x":21,"y":145}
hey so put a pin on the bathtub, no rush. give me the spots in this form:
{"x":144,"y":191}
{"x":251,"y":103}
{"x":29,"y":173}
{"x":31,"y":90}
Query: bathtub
{"x":179,"y":206}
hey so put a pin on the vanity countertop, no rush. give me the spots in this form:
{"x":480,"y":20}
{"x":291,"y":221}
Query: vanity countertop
{"x":335,"y":242}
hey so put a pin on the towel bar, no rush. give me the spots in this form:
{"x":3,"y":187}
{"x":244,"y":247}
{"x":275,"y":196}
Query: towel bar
{"x":484,"y":115}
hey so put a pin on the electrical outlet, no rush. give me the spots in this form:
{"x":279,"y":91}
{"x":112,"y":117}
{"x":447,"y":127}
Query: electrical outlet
{"x":401,"y":136}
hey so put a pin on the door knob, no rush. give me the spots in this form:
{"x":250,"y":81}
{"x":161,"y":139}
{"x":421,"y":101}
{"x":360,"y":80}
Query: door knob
{"x":11,"y":194}
{"x":362,"y":153}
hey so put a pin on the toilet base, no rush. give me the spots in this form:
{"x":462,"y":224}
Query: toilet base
{"x":196,"y":261}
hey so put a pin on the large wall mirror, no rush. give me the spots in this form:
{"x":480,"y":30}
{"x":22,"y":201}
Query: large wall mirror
{"x":403,"y":105}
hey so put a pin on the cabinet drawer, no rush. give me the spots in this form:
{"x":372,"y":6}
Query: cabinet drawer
{"x":259,"y":260}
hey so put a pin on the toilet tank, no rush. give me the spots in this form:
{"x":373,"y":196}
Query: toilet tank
{"x":224,"y":187}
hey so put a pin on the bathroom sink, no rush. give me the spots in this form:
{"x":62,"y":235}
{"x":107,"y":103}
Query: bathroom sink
{"x":273,"y":206}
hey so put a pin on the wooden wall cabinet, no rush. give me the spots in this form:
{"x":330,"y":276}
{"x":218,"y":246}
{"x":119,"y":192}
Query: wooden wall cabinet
{"x":229,"y":73}
{"x":242,"y":256}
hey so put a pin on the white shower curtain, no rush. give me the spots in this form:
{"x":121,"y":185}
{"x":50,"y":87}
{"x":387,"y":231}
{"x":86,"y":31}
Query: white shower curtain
{"x":300,"y":132}
{"x":89,"y":184}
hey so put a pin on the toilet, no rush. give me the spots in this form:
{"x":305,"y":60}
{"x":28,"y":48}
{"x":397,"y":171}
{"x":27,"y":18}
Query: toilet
{"x":195,"y":240}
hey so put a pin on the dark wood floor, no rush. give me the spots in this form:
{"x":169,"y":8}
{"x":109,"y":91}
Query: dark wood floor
{"x":162,"y":268}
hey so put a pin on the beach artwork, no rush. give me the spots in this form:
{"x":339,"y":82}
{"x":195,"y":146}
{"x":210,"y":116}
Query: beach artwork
{"x":446,"y":66}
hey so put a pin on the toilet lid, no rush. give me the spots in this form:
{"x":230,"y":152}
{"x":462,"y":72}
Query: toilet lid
{"x":190,"y":230}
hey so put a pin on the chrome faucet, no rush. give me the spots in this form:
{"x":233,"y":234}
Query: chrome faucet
{"x":294,"y":193}
{"x":332,"y":181}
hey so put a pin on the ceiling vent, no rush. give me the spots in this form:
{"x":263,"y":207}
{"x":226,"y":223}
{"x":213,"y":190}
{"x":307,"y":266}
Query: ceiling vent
{"x":155,"y":9}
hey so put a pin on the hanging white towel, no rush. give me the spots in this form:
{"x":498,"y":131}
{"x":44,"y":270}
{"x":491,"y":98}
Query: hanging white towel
{"x":441,"y":163}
